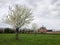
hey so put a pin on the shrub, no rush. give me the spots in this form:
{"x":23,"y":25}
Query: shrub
{"x":8,"y":30}
{"x":1,"y":31}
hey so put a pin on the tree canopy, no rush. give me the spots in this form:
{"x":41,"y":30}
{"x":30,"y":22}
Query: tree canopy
{"x":19,"y":16}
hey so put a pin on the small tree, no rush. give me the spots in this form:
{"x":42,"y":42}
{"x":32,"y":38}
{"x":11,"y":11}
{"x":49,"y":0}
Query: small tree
{"x":19,"y":16}
{"x":34,"y":27}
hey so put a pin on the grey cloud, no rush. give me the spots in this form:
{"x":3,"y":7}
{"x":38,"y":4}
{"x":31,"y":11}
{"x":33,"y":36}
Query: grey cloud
{"x":50,"y":12}
{"x":53,"y":1}
{"x":45,"y":11}
{"x":33,"y":2}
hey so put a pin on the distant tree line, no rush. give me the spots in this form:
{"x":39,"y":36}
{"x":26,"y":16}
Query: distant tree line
{"x":9,"y":30}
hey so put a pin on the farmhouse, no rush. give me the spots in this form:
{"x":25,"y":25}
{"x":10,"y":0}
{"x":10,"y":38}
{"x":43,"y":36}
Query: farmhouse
{"x":42,"y":30}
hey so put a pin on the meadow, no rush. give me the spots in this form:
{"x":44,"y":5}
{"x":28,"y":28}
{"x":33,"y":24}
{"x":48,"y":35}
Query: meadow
{"x":30,"y":39}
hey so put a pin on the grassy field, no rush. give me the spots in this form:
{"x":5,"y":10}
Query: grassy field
{"x":30,"y":39}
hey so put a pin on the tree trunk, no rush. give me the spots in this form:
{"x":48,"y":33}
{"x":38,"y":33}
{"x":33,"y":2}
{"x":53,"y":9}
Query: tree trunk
{"x":17,"y":33}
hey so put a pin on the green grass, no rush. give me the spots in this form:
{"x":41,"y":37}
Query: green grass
{"x":30,"y":39}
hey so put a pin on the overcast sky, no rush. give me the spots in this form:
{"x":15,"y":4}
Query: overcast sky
{"x":46,"y":12}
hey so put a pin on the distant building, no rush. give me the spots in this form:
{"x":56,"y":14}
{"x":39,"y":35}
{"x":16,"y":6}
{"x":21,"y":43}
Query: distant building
{"x":42,"y":30}
{"x":49,"y":30}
